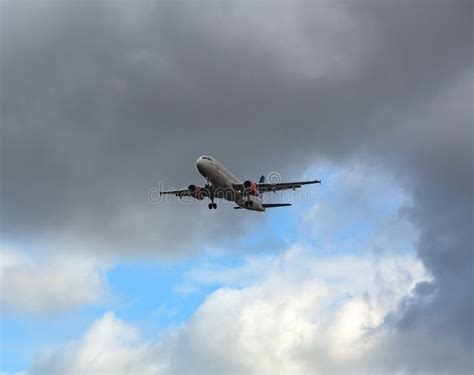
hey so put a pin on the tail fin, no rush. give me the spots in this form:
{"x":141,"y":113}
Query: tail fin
{"x":262,"y":179}
{"x":271,"y":205}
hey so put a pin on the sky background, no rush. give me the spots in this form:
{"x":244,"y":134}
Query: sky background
{"x":105,"y":101}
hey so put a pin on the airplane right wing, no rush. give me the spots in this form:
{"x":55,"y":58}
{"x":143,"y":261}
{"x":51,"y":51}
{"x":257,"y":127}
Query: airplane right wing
{"x":262,"y":188}
{"x":178,"y":193}
{"x":265,"y":187}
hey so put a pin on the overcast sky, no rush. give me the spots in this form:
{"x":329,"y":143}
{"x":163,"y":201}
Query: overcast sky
{"x":102,"y":101}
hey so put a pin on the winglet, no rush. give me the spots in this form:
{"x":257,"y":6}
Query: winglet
{"x":262,"y":179}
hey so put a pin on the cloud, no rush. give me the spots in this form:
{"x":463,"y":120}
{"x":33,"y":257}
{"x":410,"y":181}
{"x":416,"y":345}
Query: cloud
{"x":94,"y":110}
{"x":306,"y":314}
{"x":94,"y":120}
{"x":364,"y":207}
{"x":49,"y":285}
{"x":302,"y":307}
{"x":109,"y":346}
{"x":440,"y":156}
{"x":311,"y":309}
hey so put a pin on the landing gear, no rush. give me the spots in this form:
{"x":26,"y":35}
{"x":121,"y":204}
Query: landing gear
{"x":210,"y":190}
{"x":249,"y":203}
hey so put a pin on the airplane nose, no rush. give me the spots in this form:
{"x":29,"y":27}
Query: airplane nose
{"x":200,"y":165}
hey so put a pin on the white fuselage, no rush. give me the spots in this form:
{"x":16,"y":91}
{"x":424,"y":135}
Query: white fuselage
{"x":223,"y":182}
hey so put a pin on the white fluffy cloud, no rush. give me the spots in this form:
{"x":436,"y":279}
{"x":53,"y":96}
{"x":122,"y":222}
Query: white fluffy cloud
{"x":305,"y":313}
{"x":49,"y":284}
{"x":109,"y":346}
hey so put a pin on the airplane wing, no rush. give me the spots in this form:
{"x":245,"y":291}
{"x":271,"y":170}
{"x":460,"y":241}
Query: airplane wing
{"x":178,"y":193}
{"x":265,"y":187}
{"x":194,"y":191}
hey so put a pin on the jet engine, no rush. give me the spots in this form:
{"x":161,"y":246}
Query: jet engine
{"x":250,"y":188}
{"x":196,"y":192}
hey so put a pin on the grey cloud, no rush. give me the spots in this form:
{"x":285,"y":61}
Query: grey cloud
{"x":434,"y":147}
{"x":99,"y":100}
{"x":92,"y":119}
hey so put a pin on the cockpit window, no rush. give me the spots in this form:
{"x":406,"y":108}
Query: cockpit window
{"x":207,"y":158}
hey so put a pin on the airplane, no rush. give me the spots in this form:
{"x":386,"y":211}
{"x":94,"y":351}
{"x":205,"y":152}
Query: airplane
{"x":224,"y":185}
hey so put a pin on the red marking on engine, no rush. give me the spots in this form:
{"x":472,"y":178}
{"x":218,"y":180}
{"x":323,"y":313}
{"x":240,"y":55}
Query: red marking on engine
{"x":198,"y":194}
{"x":253,"y":189}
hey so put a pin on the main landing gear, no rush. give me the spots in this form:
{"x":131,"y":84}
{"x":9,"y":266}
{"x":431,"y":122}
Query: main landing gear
{"x":210,"y":189}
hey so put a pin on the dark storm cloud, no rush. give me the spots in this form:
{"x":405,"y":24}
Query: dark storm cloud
{"x":99,"y":100}
{"x":431,"y":151}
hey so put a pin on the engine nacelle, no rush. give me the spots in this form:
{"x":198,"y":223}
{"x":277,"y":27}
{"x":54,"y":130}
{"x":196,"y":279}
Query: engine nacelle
{"x":196,"y":192}
{"x":251,"y":188}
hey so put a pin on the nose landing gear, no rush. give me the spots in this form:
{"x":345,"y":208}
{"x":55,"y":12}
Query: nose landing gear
{"x":212,"y":206}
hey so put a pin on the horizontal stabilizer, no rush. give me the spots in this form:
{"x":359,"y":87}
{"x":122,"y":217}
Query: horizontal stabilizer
{"x":270,"y":205}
